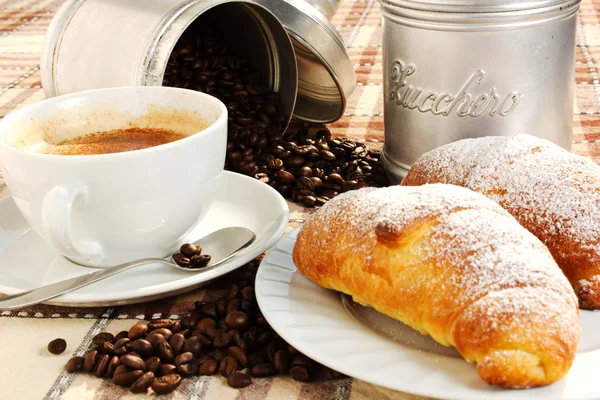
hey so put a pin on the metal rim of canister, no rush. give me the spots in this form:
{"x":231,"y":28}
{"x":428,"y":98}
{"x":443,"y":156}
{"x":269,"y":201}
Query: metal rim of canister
{"x":472,"y":16}
{"x":314,"y":34}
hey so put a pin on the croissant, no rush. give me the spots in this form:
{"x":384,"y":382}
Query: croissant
{"x":551,"y":192}
{"x":453,"y":265}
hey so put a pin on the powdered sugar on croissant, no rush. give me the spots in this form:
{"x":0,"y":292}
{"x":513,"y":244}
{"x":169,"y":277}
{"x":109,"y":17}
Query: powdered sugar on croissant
{"x":551,"y":192}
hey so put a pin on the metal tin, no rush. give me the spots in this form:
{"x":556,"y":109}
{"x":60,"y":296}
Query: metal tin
{"x":325,"y":74}
{"x":326,"y":7}
{"x":129,"y":43}
{"x":456,"y":69}
{"x":105,"y":43}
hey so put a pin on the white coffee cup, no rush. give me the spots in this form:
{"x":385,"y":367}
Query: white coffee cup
{"x":105,"y":209}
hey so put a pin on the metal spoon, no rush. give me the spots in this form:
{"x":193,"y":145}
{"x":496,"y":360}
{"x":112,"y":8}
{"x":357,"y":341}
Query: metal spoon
{"x":221,"y":245}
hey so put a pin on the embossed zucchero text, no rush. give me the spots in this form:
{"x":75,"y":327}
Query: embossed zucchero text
{"x":462,"y":103}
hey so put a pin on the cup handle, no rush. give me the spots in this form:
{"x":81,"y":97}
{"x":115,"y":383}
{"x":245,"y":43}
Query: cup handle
{"x":57,"y":210}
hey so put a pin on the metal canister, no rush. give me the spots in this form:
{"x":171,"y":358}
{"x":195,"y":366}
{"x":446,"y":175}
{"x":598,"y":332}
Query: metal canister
{"x":456,"y":69}
{"x":326,"y":7}
{"x":106,"y":43}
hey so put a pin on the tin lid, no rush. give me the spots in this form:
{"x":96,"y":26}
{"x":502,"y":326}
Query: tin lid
{"x":325,"y":74}
{"x":478,"y":6}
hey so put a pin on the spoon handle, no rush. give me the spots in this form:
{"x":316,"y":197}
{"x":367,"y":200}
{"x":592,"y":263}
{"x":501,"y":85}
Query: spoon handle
{"x":53,"y":290}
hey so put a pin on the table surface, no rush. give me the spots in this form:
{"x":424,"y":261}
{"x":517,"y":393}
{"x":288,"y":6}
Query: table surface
{"x":28,"y":371}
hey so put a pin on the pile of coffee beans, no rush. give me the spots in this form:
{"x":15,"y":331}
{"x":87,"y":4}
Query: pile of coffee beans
{"x":302,"y":162}
{"x":229,"y":337}
{"x":190,"y":256}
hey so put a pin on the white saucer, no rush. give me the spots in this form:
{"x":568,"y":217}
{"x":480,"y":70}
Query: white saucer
{"x":26,"y":261}
{"x":316,"y":322}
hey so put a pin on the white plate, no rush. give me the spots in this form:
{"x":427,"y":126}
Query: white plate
{"x":315,"y":321}
{"x":26,"y":261}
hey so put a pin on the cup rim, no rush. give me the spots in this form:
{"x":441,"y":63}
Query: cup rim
{"x":22,"y":113}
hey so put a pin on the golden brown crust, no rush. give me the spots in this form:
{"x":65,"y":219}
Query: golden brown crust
{"x":452,"y":264}
{"x":551,"y":192}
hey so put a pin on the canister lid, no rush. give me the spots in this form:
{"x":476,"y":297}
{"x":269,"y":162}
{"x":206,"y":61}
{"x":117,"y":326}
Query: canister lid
{"x":325,"y":74}
{"x":478,"y":6}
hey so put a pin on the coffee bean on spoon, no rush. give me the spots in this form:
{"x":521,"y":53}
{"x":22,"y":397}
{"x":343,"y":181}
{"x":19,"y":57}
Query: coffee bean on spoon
{"x":200,"y":260}
{"x":189,"y":249}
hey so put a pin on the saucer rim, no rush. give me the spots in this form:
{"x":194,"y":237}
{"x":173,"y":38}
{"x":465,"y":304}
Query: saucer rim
{"x":158,"y":291}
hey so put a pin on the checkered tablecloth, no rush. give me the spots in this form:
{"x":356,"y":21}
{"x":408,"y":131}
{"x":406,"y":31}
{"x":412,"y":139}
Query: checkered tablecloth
{"x":28,"y":371}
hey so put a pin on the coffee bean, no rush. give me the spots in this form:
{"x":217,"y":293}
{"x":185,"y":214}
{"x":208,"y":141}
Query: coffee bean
{"x":188,"y":322}
{"x":228,"y":366}
{"x":142,"y":347}
{"x":166,"y":369}
{"x":165,"y":332}
{"x":192,"y":345}
{"x":210,"y":310}
{"x":281,"y":361}
{"x":222,"y":340}
{"x":206,"y":343}
{"x":309,"y":201}
{"x":120,"y":335}
{"x":74,"y":364}
{"x":182,"y":260}
{"x":238,"y":380}
{"x":112,"y":366}
{"x":212,"y":333}
{"x":200,"y":261}
{"x":102,"y":337}
{"x":176,"y":328}
{"x":154,"y":338}
{"x":185,"y":363}
{"x":152,"y":364}
{"x":300,"y":374}
{"x":234,"y":292}
{"x":247,"y":306}
{"x":127,"y":378}
{"x":57,"y":346}
{"x":165,"y":353}
{"x":189,"y":249}
{"x":208,"y":367}
{"x":220,"y":355}
{"x":142,"y":384}
{"x":233,"y":305}
{"x":121,"y":369}
{"x":284,"y":177}
{"x":156,"y":324}
{"x":222,"y":307}
{"x":132,"y":362}
{"x":166,"y":384}
{"x":265,"y":338}
{"x":90,"y":361}
{"x":275,"y":164}
{"x":237,"y":320}
{"x":206,"y":323}
{"x":108,"y":348}
{"x":137,"y":331}
{"x":263,"y":370}
{"x":102,"y":366}
{"x":176,"y":343}
{"x":239,"y":355}
{"x":122,"y":346}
